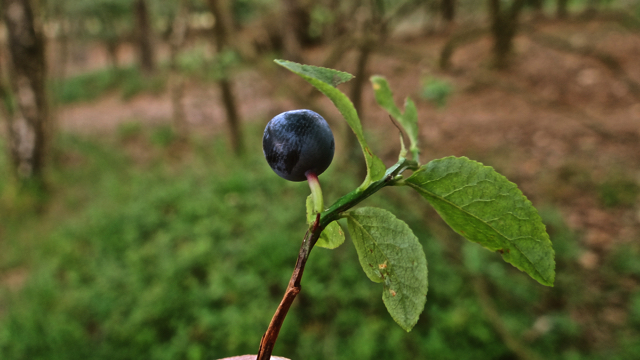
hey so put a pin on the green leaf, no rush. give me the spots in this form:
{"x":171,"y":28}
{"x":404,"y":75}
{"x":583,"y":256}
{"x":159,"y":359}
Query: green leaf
{"x":408,"y":120}
{"x":326,"y":75}
{"x":391,"y":254}
{"x":326,"y":80}
{"x":332,"y":236}
{"x":384,"y":96}
{"x":311,"y":213}
{"x":485,"y":207}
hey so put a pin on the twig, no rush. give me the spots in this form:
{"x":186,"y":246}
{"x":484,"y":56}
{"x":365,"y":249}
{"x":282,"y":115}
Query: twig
{"x":269,"y":338}
{"x":311,"y":237}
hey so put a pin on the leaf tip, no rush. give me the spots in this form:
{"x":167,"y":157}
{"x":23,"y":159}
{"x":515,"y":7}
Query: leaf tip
{"x":281,"y":62}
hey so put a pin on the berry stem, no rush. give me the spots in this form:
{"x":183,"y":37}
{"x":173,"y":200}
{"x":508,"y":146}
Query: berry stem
{"x":316,"y":191}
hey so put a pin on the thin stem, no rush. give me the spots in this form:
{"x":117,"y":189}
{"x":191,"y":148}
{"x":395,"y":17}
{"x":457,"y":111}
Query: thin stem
{"x":316,"y":192}
{"x":269,"y":338}
{"x":356,"y":196}
{"x":311,"y":237}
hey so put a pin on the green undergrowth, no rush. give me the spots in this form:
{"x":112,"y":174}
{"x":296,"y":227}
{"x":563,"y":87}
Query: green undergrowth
{"x":128,"y":81}
{"x":125,"y":81}
{"x":185,"y":254}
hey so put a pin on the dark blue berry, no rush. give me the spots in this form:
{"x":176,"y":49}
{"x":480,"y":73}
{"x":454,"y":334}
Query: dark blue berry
{"x":296,"y":142}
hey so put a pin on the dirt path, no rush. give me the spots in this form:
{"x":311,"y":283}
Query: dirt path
{"x":203,"y":108}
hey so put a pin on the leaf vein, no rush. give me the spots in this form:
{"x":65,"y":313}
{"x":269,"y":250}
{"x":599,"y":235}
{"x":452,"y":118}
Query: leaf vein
{"x":433,"y":195}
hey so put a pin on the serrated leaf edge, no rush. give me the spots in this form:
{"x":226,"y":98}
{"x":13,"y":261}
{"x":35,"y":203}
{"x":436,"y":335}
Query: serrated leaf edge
{"x":282,"y":62}
{"x":548,"y":282}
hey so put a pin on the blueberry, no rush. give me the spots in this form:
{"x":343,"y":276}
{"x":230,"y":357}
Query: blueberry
{"x":297,"y":142}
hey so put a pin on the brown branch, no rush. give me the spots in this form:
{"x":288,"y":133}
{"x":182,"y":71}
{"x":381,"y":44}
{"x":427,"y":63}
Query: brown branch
{"x":271,"y":335}
{"x":224,"y":37}
{"x":457,"y":40}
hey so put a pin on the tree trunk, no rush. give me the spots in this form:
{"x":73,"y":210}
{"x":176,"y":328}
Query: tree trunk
{"x":6,"y":112}
{"x":176,"y":80}
{"x":222,"y":29}
{"x":457,"y":40}
{"x":502,"y":35}
{"x":228,"y":99}
{"x":64,"y":41}
{"x":448,"y":9}
{"x":112,"y":53}
{"x":365,"y":49}
{"x":29,"y":124}
{"x":504,"y":27}
{"x":561,"y":9}
{"x":371,"y":32}
{"x":143,"y":30}
{"x":222,"y":33}
{"x":291,"y":23}
{"x":361,"y":75}
{"x":538,"y":8}
{"x":592,"y":8}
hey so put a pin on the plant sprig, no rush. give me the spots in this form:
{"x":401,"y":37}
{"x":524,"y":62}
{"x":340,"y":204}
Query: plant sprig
{"x":474,"y":200}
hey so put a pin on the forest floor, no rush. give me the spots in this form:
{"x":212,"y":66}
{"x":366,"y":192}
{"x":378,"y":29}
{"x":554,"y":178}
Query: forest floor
{"x":563,"y":122}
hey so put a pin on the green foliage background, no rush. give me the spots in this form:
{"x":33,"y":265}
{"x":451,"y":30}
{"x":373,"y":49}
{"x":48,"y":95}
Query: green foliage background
{"x":185,"y":254}
{"x":188,"y":259}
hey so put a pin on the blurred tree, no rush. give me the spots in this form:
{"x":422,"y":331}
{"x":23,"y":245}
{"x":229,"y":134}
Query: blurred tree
{"x":341,"y":32}
{"x":371,"y":32}
{"x":457,"y":40}
{"x":323,"y":25}
{"x":448,"y":9}
{"x":537,"y":6}
{"x":592,"y":8}
{"x":223,"y":35}
{"x":504,"y":25}
{"x":561,"y":9}
{"x":28,"y":124}
{"x":374,"y":21}
{"x":293,"y":22}
{"x":144,"y":36}
{"x":56,"y":12}
{"x":177,"y":39}
{"x":108,"y":21}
